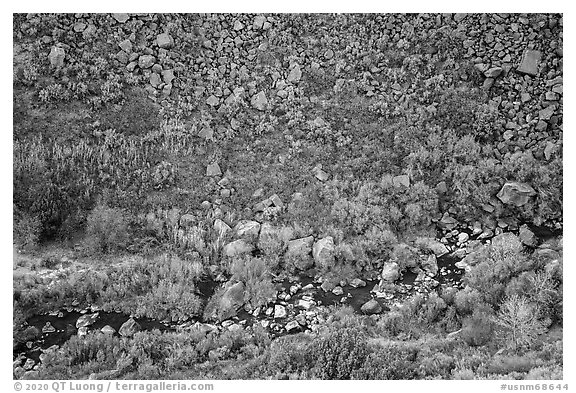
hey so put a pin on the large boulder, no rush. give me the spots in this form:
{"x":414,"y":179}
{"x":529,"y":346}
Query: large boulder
{"x":433,"y":245}
{"x":129,"y":328}
{"x":247,"y":229}
{"x":371,"y":307}
{"x":430,"y":266}
{"x":517,"y":194}
{"x":231,"y":301}
{"x":530,"y":61}
{"x":273,"y":238}
{"x":146,"y":61}
{"x":323,"y":252}
{"x":527,"y":237}
{"x":390,"y":272}
{"x":279,"y":311}
{"x":86,"y":320}
{"x":237,"y":248}
{"x":299,"y":252}
{"x":259,"y":101}
{"x":56,"y":57}
{"x":165,"y":41}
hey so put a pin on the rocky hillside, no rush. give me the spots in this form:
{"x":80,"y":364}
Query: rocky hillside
{"x":265,"y":153}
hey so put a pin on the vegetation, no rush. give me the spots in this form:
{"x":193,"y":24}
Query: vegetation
{"x":141,"y":146}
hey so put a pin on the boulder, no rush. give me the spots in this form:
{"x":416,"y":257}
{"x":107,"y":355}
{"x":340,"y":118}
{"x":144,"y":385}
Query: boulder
{"x":129,"y":328}
{"x":231,"y":301}
{"x":237,"y":248}
{"x":338,"y":291}
{"x":56,"y":57}
{"x":272,"y":236}
{"x":432,"y":245}
{"x":213,"y":170}
{"x":86,"y":320}
{"x":530,"y":61}
{"x":126,"y":45}
{"x":371,"y":307}
{"x":323,"y":252}
{"x":279,"y":311}
{"x":292,"y":325}
{"x":295,"y":74}
{"x":146,"y":61}
{"x":165,"y":41}
{"x":221,"y":227}
{"x":83,"y":331}
{"x":259,"y":101}
{"x":430,"y":266}
{"x":517,"y":194}
{"x":108,"y":330}
{"x":48,"y":328}
{"x":358,"y":283}
{"x":401,"y":181}
{"x":121,"y":18}
{"x":247,"y":229}
{"x":527,"y":237}
{"x":299,"y":251}
{"x":390,"y":272}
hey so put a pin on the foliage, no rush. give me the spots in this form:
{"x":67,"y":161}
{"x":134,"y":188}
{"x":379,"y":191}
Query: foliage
{"x":107,"y":229}
{"x":519,"y":322}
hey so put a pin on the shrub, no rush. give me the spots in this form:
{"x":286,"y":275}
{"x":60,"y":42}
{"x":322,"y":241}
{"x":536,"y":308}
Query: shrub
{"x":27,"y":229}
{"x":478,"y":329}
{"x":106,"y":229}
{"x":338,"y":355}
{"x":393,"y":362}
{"x":518,"y":320}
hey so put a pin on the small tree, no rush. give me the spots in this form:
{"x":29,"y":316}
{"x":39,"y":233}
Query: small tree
{"x":519,"y":322}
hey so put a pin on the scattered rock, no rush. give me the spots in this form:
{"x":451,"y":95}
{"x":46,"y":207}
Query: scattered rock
{"x":279,"y":311}
{"x":292,"y":325}
{"x":530,"y":61}
{"x":430,"y":266}
{"x":371,"y":307}
{"x":247,"y":229}
{"x":56,"y":57}
{"x":323,"y":252}
{"x":259,"y":101}
{"x":357,"y":283}
{"x":121,"y":18}
{"x":231,"y":301}
{"x":237,"y":248}
{"x":213,"y":170}
{"x":432,"y":245}
{"x":165,"y":41}
{"x":295,"y":74}
{"x":527,"y":237}
{"x":390,"y":272}
{"x":518,"y":194}
{"x":126,"y":45}
{"x":221,"y":227}
{"x":401,"y":181}
{"x":129,"y":328}
{"x":146,"y":61}
{"x":83,"y":331}
{"x":86,"y":320}
{"x":108,"y":330}
{"x":48,"y":328}
{"x":493,"y":72}
{"x":338,"y":291}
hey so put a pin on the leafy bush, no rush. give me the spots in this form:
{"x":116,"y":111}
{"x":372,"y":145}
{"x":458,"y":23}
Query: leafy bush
{"x":106,"y":229}
{"x":338,"y":355}
{"x":27,"y":231}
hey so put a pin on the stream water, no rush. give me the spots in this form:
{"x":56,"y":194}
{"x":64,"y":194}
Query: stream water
{"x":65,"y":323}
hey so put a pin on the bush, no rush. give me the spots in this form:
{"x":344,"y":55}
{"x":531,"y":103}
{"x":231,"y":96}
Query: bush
{"x":107,"y":229}
{"x":338,"y":355}
{"x":27,"y":229}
